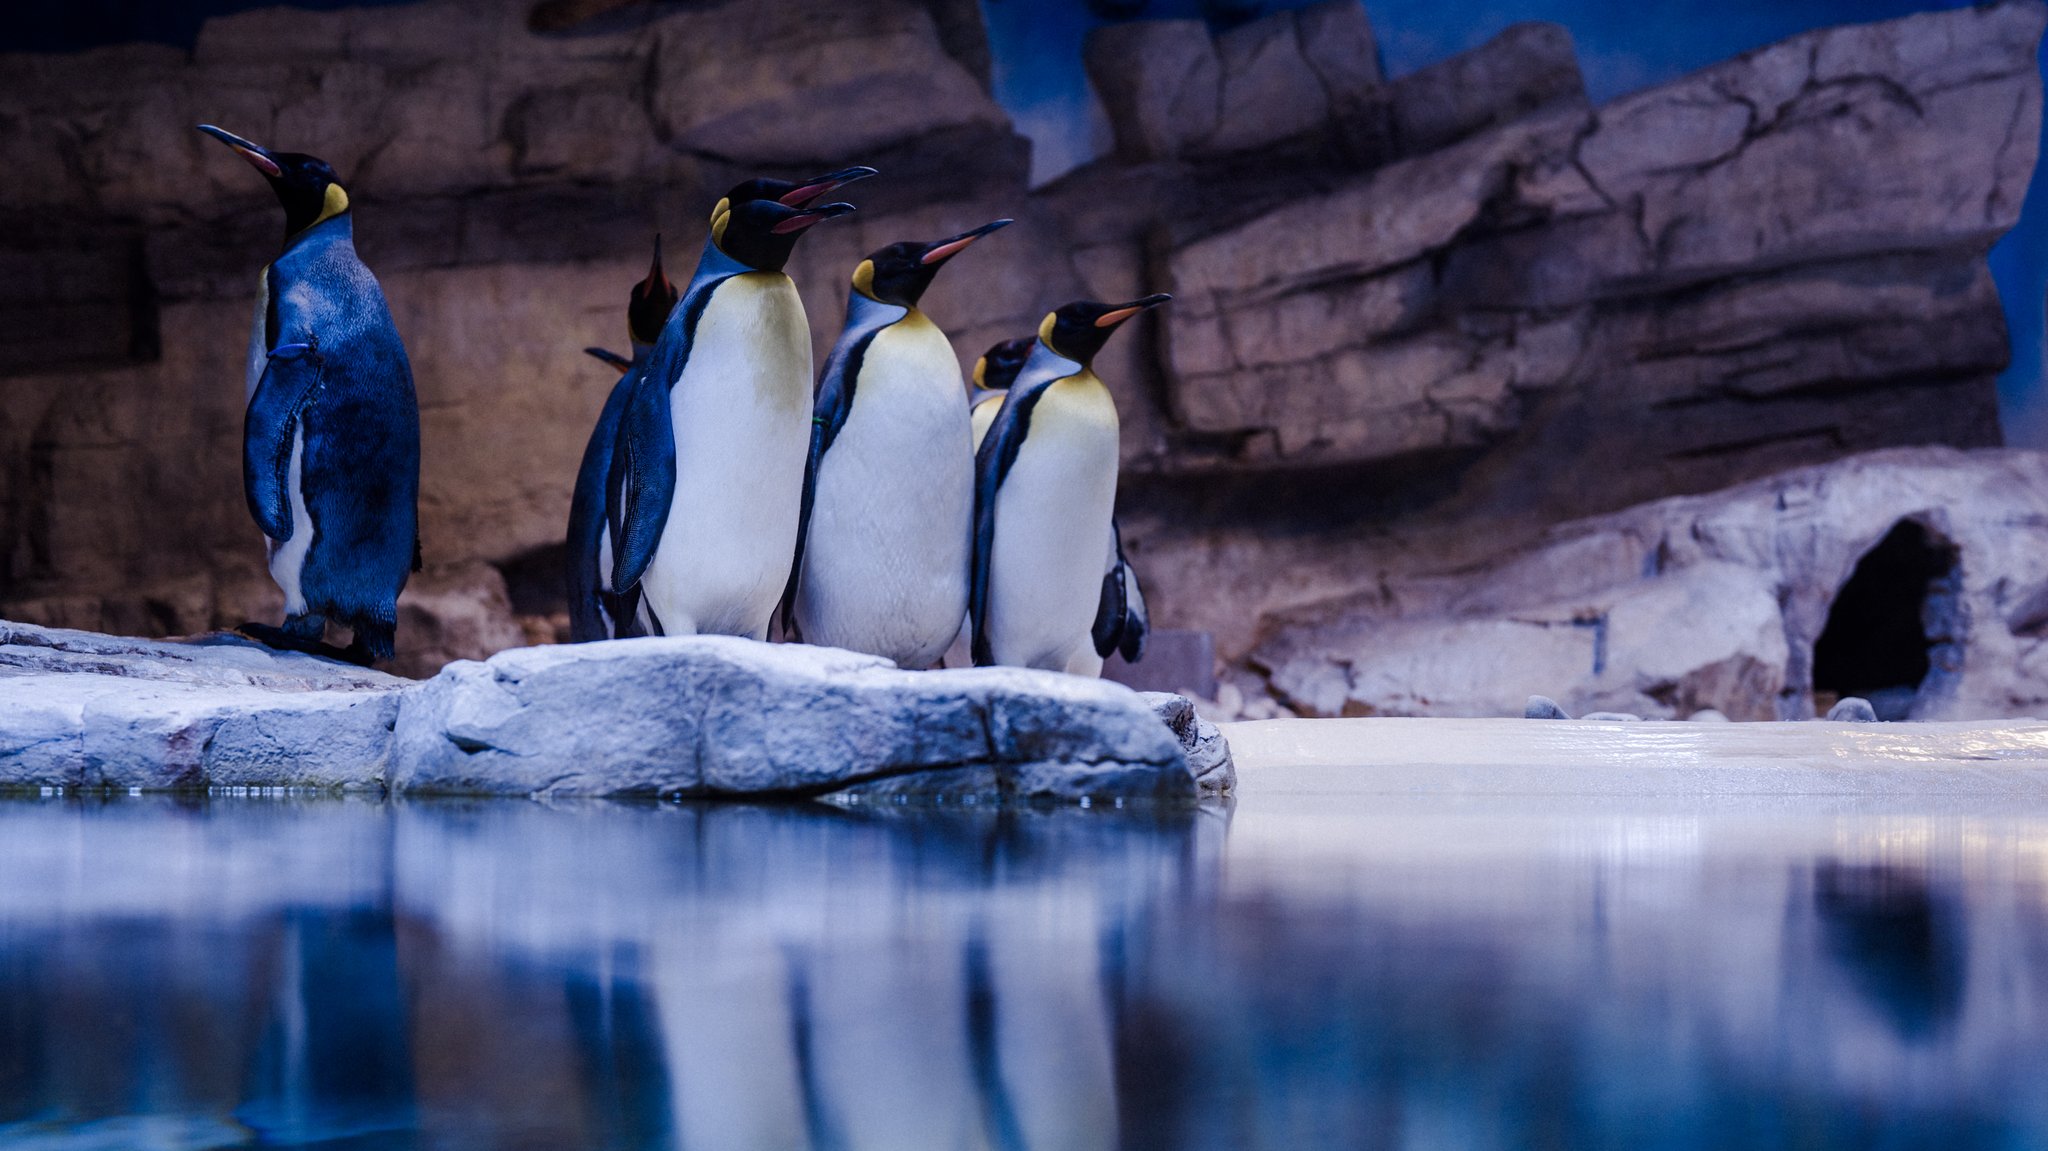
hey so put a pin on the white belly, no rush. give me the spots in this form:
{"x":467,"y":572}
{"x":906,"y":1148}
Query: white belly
{"x":288,"y":559}
{"x":741,"y":412}
{"x":885,"y":564}
{"x":1052,"y":514}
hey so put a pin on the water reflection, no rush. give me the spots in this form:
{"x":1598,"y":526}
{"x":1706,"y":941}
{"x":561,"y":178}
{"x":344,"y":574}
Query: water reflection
{"x":1900,"y":941}
{"x":359,"y":975}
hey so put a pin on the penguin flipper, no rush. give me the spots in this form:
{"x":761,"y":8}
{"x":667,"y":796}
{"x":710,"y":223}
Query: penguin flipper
{"x":786,"y":610}
{"x":992,"y":463}
{"x":642,"y":481}
{"x":1108,"y":630}
{"x":290,"y":379}
{"x":1137,"y":622}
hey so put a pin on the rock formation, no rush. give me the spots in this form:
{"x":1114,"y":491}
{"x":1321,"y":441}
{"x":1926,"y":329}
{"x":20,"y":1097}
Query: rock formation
{"x":1718,"y":602}
{"x":1420,"y":319}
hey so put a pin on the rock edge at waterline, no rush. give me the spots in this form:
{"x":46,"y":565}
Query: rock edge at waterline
{"x":703,"y":716}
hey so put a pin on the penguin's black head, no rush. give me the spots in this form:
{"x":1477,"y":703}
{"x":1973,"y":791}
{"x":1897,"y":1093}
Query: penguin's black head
{"x":997,"y":368}
{"x":762,"y":233}
{"x":652,"y":299}
{"x":899,"y":273}
{"x":1080,"y":329}
{"x":792,"y":194}
{"x":305,"y":185}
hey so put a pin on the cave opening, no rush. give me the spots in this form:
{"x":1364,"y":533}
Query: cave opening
{"x":1886,"y":622}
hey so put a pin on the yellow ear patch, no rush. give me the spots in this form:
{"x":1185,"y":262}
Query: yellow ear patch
{"x":333,"y":204}
{"x":718,"y":221}
{"x":1045,"y":328}
{"x":864,"y":279}
{"x":980,"y":372}
{"x":724,"y":206}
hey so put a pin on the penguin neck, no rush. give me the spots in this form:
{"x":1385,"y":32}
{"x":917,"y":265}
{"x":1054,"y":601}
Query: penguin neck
{"x":1044,"y":366}
{"x":714,"y":264}
{"x":338,"y":228}
{"x":866,"y":313}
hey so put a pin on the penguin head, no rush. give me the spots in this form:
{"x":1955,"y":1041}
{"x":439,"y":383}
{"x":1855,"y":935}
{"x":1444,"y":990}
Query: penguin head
{"x":762,"y":233}
{"x":651,"y":301}
{"x":899,"y":273}
{"x":997,"y":368}
{"x":1080,"y":329}
{"x":793,"y":194}
{"x":305,"y":185}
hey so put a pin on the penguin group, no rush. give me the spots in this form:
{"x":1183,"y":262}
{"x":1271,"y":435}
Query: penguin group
{"x":886,"y":507}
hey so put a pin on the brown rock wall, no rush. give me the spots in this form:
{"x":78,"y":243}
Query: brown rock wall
{"x":1417,"y":321}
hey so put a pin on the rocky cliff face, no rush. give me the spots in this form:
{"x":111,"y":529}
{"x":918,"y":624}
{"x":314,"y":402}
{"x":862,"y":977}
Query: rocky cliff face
{"x":1418,"y":319}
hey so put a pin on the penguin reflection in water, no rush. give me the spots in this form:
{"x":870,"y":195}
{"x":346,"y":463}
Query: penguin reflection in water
{"x":1121,"y":622}
{"x":1045,"y":503}
{"x":331,"y":438}
{"x":882,"y":557}
{"x":706,"y":477}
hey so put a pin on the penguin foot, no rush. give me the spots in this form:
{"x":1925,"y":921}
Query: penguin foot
{"x":284,"y":639}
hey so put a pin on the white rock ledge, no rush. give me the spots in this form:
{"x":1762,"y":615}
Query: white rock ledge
{"x":701,"y":716}
{"x":89,"y":711}
{"x":710,"y":715}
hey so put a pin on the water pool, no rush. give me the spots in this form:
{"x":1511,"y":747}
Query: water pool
{"x":1298,"y":970}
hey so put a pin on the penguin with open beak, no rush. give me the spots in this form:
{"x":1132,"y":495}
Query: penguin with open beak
{"x":706,"y":481}
{"x":1121,"y":621}
{"x":1045,"y":500}
{"x":594,"y":613}
{"x":331,"y":436}
{"x":882,"y":559}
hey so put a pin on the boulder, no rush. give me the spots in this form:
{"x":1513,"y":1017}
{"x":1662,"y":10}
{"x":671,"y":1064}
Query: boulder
{"x":1172,"y":90}
{"x":1208,"y":753}
{"x":1527,"y":67}
{"x":93,"y":711}
{"x":712,"y":715}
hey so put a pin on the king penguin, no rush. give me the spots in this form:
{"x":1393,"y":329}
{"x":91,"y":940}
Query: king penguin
{"x":706,"y":483}
{"x":1045,"y":500}
{"x":593,"y":612}
{"x":1121,"y":623}
{"x":331,"y":437}
{"x":882,"y":556}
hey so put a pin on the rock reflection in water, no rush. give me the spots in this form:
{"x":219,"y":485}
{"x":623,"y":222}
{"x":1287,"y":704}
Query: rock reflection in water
{"x":511,"y":975}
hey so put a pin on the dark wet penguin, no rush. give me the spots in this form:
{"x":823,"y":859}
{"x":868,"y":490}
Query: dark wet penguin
{"x":595,"y":613}
{"x":1121,"y":621}
{"x":1045,"y":499}
{"x":882,"y":556}
{"x":706,"y":482}
{"x":331,"y":439}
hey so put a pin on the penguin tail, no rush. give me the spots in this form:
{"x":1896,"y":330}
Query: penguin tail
{"x":372,"y":642}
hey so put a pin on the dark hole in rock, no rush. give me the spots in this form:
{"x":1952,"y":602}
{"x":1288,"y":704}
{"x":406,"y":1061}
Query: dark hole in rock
{"x":537,"y":581}
{"x":1879,"y":631}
